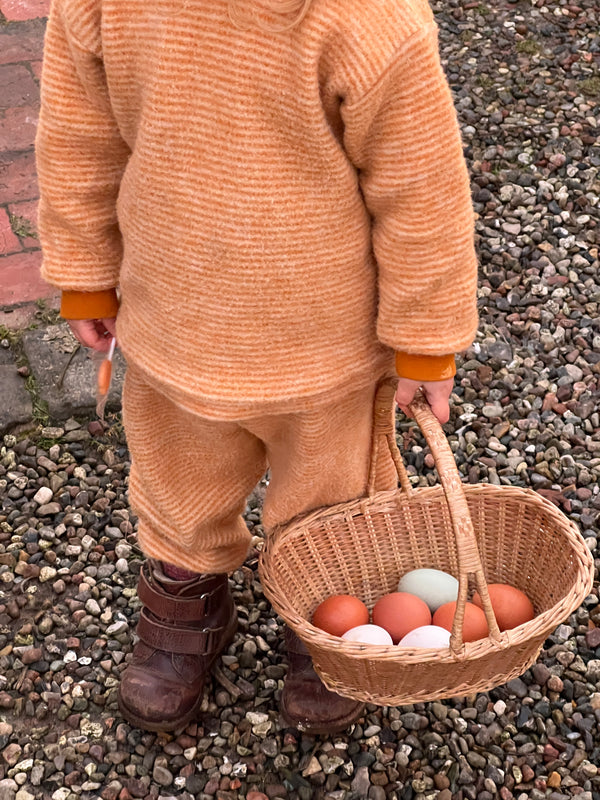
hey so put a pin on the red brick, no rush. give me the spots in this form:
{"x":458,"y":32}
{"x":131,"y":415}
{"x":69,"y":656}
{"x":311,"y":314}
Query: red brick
{"x":18,"y":10}
{"x":36,"y":67}
{"x":20,"y":279}
{"x":22,"y":42}
{"x":27,"y":211}
{"x":19,"y":317}
{"x":17,"y":128}
{"x":9,"y":243}
{"x":18,"y":180}
{"x":18,"y":86}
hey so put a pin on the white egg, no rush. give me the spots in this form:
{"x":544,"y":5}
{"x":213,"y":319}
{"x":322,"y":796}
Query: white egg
{"x":369,"y":634}
{"x":431,"y":585}
{"x":426,"y":636}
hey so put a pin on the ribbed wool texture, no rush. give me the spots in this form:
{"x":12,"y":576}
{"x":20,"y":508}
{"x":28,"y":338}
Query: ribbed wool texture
{"x":280,"y":211}
{"x":191,"y":476}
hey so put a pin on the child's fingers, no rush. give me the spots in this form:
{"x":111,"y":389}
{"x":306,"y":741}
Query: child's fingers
{"x":110,"y":323}
{"x":405,"y":391}
{"x":440,"y":408}
{"x":438,"y":396}
{"x":87,"y":333}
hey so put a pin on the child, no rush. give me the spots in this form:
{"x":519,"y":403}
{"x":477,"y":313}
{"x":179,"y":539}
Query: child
{"x":278,"y":190}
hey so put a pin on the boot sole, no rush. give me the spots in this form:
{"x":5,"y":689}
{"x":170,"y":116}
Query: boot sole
{"x":184,"y":721}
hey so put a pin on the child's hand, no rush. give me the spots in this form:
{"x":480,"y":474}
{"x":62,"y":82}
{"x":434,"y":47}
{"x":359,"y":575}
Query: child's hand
{"x":437,"y":394}
{"x":94,"y":333}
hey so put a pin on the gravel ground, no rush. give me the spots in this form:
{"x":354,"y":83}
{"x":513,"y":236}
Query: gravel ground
{"x":527,"y":88}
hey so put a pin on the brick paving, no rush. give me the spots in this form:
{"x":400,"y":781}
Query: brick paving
{"x":20,"y":10}
{"x":22,"y":25}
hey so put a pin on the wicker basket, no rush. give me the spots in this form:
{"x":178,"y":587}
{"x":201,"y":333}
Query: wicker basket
{"x":476,"y":532}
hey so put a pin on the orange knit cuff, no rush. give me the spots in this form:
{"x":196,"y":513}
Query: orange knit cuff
{"x":425,"y":368}
{"x":89,"y":305}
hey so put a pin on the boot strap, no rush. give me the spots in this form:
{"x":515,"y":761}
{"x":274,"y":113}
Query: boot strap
{"x":177,"y":640}
{"x":177,"y":609}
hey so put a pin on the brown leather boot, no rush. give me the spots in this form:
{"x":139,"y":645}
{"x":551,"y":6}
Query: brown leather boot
{"x":183,"y":626}
{"x":306,"y":704}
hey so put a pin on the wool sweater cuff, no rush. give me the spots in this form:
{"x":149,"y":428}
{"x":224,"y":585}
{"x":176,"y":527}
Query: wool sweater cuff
{"x":89,"y":305}
{"x":425,"y":368}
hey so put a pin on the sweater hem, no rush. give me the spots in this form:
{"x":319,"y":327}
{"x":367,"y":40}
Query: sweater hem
{"x":225,"y":409}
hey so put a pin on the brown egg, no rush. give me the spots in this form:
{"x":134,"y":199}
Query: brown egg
{"x":474,"y":625}
{"x":399,"y":613}
{"x":339,"y":613}
{"x":511,"y":606}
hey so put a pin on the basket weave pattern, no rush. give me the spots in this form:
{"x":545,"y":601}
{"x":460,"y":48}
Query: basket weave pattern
{"x":480,"y":534}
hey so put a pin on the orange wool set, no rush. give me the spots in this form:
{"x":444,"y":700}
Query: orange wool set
{"x":285,"y":215}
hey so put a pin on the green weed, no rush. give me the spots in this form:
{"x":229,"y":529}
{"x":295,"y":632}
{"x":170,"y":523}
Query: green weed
{"x":590,"y":86}
{"x":528,"y":46}
{"x":49,"y":316}
{"x":40,"y":414}
{"x":45,"y":443}
{"x":12,"y":337}
{"x":22,"y":227}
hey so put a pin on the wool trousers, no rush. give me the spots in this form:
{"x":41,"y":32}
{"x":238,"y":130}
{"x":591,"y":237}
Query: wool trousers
{"x":191,"y":476}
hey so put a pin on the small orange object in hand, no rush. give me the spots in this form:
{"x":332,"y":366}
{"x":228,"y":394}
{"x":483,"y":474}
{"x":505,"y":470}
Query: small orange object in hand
{"x":103,"y":380}
{"x":104,"y":376}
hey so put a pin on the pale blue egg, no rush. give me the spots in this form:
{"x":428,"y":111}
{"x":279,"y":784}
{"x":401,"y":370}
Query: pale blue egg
{"x":431,"y":585}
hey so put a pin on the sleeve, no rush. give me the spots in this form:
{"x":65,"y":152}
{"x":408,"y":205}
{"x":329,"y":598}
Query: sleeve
{"x":81,"y":158}
{"x":89,"y":305}
{"x":403,"y":137}
{"x":425,"y":368}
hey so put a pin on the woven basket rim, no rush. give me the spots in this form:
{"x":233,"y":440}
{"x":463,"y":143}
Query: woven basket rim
{"x":541,"y":625}
{"x":357,"y":506}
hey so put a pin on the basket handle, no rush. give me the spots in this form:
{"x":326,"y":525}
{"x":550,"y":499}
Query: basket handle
{"x":384,"y":428}
{"x":469,"y":560}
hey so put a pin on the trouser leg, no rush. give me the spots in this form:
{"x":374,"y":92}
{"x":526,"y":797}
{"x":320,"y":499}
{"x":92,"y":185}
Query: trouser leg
{"x":190,"y":478}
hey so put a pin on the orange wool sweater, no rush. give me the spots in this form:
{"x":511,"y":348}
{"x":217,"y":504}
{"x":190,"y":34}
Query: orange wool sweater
{"x":280,"y":211}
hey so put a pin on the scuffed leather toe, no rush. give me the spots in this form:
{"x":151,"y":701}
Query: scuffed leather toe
{"x":306,"y":703}
{"x":310,"y":707}
{"x":169,"y":707}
